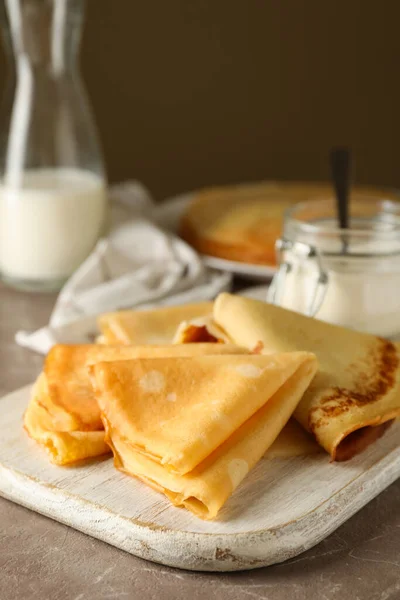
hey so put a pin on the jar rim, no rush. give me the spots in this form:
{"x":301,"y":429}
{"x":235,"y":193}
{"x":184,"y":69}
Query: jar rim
{"x":384,"y":207}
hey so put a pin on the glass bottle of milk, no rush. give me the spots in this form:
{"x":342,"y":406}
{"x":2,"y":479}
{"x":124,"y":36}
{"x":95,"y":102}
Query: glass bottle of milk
{"x":52,"y":187}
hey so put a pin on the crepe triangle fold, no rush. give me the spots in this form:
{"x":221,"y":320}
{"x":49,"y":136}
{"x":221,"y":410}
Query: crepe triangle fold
{"x":63,"y":414}
{"x":193,"y":428}
{"x":69,"y":388}
{"x":63,"y":447}
{"x":356,"y":393}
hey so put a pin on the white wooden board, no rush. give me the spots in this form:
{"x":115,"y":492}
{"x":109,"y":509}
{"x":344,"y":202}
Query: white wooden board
{"x":284,"y":507}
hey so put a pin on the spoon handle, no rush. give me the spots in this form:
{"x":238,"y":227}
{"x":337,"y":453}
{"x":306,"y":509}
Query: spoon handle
{"x":341,"y":167}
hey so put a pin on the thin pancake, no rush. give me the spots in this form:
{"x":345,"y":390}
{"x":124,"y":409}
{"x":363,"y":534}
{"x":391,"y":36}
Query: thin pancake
{"x":70,"y":396}
{"x":358,"y":385}
{"x":156,"y":326}
{"x":57,"y":420}
{"x":206,"y":488}
{"x":62,"y":447}
{"x":177,"y":411}
{"x":70,"y":399}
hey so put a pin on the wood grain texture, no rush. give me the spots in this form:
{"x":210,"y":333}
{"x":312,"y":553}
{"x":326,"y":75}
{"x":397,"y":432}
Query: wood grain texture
{"x":283,"y":508}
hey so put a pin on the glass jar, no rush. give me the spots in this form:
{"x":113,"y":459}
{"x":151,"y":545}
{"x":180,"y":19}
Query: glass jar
{"x":348,"y":277}
{"x":52,"y":182}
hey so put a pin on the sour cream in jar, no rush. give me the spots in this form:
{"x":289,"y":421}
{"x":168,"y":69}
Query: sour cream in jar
{"x":345,"y":277}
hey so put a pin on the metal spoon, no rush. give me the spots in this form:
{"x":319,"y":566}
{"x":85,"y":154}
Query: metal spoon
{"x":340,"y":159}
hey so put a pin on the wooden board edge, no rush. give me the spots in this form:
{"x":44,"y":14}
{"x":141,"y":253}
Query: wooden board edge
{"x":200,"y":551}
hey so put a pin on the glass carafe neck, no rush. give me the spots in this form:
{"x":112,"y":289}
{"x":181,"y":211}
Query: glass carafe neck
{"x":44,"y":33}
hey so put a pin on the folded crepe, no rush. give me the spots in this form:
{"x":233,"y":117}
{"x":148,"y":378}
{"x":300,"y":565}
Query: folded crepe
{"x":63,"y":414}
{"x":63,"y":447}
{"x":192,"y":428}
{"x":356,"y":394}
{"x":70,"y":397}
{"x":156,"y":326}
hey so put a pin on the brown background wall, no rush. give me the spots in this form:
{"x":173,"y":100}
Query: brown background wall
{"x":196,"y":92}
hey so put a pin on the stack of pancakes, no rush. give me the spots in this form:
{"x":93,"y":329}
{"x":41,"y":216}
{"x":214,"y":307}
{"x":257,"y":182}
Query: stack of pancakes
{"x":241,"y":223}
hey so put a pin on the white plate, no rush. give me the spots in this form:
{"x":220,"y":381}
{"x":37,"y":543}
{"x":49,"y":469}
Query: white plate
{"x":168,"y":215}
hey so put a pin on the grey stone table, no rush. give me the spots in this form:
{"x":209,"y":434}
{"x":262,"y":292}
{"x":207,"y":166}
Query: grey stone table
{"x":42,"y":560}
